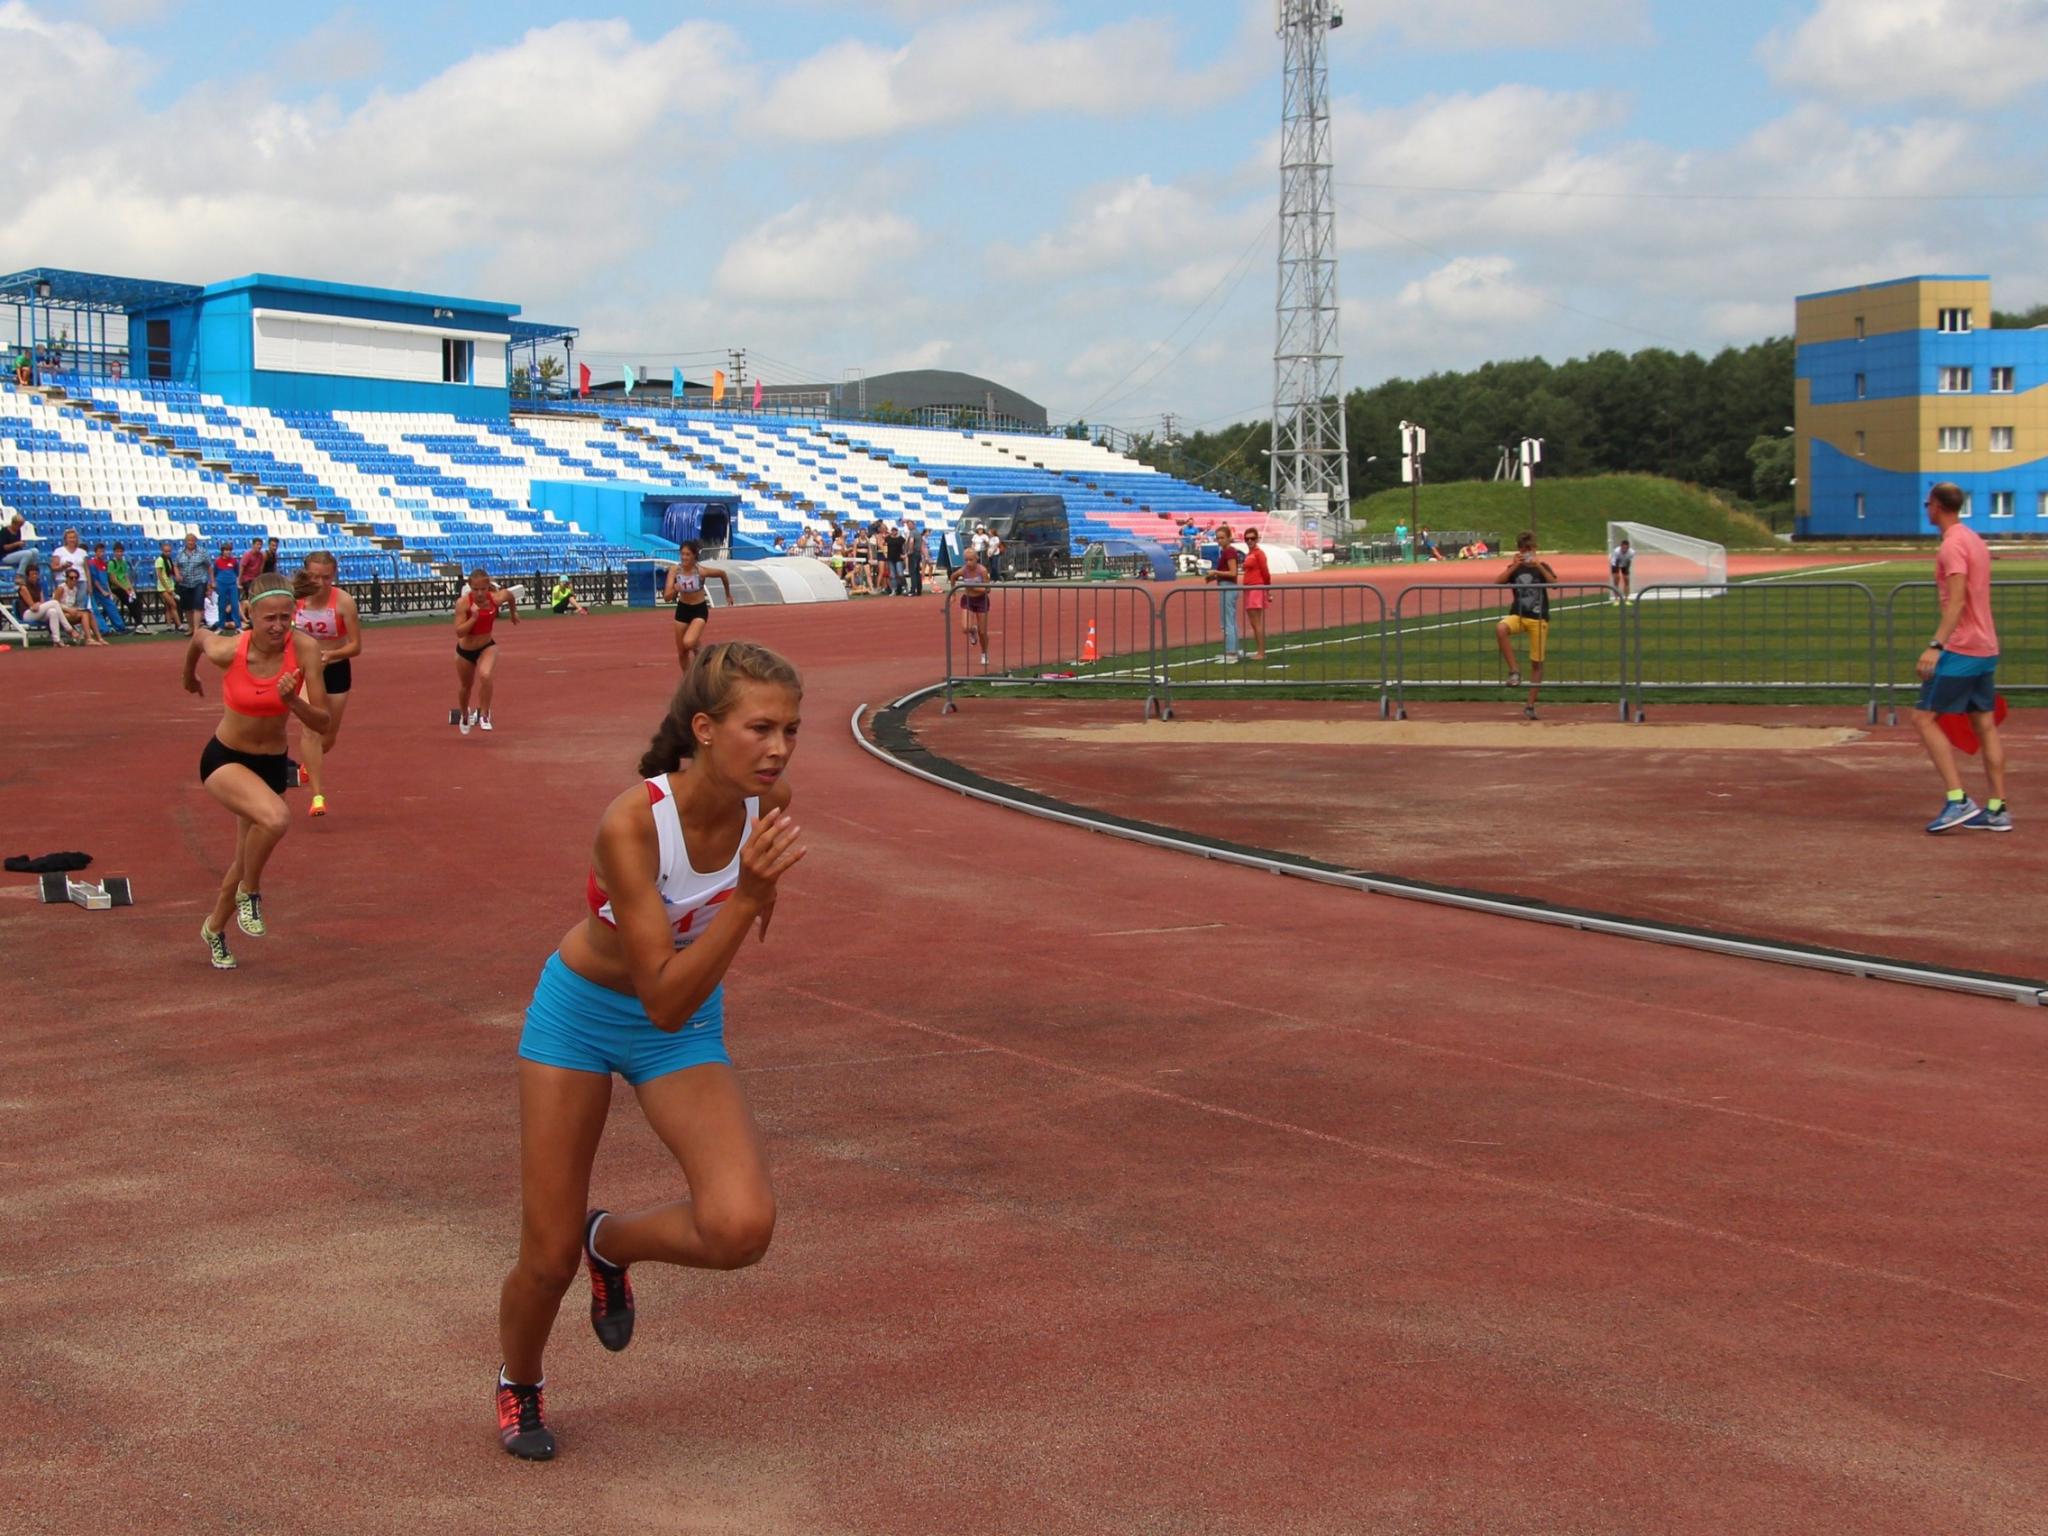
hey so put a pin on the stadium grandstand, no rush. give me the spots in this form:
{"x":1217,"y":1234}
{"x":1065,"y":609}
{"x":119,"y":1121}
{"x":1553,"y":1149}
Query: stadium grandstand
{"x":378,"y":424}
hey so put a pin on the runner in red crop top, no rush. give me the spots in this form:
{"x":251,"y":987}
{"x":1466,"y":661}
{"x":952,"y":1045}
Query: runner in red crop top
{"x":329,"y":615}
{"x":686,"y":863}
{"x":271,"y":672}
{"x":476,"y":650}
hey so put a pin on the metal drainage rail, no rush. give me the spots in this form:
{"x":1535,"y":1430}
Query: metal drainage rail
{"x":2033,"y":994}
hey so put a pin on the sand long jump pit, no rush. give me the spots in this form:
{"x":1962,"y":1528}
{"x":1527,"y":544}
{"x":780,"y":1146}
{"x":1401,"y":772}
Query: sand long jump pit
{"x":1796,"y":824}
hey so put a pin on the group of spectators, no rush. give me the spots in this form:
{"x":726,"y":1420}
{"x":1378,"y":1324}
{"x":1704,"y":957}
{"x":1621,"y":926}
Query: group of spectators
{"x":82,"y":595}
{"x":874,"y":560}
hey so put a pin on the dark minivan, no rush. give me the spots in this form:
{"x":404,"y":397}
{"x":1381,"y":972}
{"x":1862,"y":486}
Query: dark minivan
{"x":1033,"y":530}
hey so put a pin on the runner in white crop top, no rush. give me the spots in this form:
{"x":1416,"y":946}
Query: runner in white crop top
{"x":690,"y":896}
{"x":685,"y":589}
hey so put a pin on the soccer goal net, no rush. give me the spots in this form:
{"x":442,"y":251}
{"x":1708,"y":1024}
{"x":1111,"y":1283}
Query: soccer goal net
{"x":1664,"y":559}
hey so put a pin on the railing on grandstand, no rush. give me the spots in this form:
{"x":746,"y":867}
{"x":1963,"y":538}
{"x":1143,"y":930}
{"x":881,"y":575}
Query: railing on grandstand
{"x":1756,"y":639}
{"x":2019,"y":612}
{"x":1767,"y":641}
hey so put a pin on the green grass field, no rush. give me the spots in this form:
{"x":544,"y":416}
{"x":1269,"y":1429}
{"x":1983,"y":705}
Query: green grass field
{"x":1571,"y":515}
{"x":1808,"y":637}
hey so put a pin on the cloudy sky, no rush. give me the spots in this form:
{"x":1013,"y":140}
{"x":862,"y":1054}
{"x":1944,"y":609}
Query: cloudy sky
{"x":1076,"y":199}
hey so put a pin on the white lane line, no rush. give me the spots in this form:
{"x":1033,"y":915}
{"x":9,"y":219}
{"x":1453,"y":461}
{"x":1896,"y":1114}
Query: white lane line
{"x":1128,"y":933}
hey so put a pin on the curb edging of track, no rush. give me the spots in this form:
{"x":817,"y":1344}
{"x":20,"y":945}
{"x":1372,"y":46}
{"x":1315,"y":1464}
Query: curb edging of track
{"x":894,"y":743}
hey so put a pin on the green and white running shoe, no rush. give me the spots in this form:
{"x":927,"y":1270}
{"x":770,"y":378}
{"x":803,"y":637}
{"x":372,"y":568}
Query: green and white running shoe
{"x":249,"y":913}
{"x":217,"y":948}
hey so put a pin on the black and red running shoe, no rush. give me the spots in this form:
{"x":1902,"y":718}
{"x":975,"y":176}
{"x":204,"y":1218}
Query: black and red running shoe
{"x":611,"y":1293}
{"x":523,"y":1422}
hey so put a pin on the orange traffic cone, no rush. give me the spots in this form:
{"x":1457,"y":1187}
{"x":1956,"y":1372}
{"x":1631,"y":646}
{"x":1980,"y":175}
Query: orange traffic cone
{"x":1088,"y":651}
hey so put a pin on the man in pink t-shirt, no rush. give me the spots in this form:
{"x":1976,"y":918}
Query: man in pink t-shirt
{"x":1959,"y":669}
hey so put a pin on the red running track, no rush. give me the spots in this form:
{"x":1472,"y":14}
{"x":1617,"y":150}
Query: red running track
{"x":1120,"y":1191}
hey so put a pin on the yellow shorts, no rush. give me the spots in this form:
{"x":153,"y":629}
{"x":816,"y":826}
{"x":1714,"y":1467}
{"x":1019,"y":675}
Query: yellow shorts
{"x":1538,"y":631}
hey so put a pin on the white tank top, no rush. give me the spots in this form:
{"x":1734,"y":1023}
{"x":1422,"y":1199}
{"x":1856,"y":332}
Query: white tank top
{"x":689,"y":583}
{"x":321,"y":623}
{"x":691,"y":897}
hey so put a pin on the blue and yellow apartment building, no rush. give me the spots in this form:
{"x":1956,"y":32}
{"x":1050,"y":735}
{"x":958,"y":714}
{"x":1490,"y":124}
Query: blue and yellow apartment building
{"x":1905,"y":383}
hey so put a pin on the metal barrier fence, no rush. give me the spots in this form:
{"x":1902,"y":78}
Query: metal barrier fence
{"x":1769,"y":638}
{"x":1076,"y":634}
{"x":1322,"y":637}
{"x":2019,"y":611}
{"x":1775,"y":641}
{"x":1448,"y":636}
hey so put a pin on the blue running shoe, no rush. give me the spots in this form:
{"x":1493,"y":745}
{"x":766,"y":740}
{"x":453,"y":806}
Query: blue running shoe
{"x":1956,"y":813}
{"x":1999,"y":820}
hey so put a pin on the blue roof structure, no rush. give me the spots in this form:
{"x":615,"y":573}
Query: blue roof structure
{"x":309,"y":285}
{"x":57,"y":288}
{"x":529,"y":332}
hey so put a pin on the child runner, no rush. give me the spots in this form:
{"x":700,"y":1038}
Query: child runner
{"x":1257,"y":577}
{"x":562,"y":598}
{"x":272,"y":672}
{"x":973,"y":576}
{"x":693,"y":604}
{"x":637,"y":989}
{"x":329,"y":615}
{"x":1959,"y":669}
{"x":476,"y":651}
{"x":1530,"y":615}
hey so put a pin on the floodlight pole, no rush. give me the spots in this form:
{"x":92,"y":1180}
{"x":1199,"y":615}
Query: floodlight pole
{"x":1311,"y":469}
{"x":1531,"y":455}
{"x":1414,"y":446}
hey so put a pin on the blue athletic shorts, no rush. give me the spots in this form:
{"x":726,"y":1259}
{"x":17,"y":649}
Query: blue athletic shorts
{"x":1961,"y":685}
{"x":573,"y":1022}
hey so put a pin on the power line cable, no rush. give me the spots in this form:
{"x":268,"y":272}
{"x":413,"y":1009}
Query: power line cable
{"x":1702,"y":197}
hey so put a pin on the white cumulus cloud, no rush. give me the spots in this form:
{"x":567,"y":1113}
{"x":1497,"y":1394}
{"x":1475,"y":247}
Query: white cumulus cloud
{"x":812,"y":255}
{"x":1963,"y":53}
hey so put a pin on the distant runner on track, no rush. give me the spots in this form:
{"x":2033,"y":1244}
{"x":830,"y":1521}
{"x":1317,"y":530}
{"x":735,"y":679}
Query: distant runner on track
{"x":329,"y":615}
{"x":686,"y":590}
{"x":476,"y":649}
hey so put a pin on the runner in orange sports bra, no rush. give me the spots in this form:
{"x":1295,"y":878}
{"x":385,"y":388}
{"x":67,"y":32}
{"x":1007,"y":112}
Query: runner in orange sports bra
{"x":271,"y":673}
{"x":329,"y":615}
{"x":686,"y":863}
{"x":476,"y":651}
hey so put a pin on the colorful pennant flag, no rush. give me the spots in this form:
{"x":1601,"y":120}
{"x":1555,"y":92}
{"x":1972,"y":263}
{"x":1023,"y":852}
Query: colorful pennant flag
{"x":676,"y":389}
{"x":757,"y":394}
{"x":717,"y":385}
{"x":583,"y":380}
{"x":630,"y":381}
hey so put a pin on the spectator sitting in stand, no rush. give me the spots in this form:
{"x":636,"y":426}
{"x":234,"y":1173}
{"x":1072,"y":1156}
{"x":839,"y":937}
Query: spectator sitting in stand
{"x":269,"y":556}
{"x":15,"y":550}
{"x":99,"y":593}
{"x":33,"y":605}
{"x":73,"y":597}
{"x":122,"y":580}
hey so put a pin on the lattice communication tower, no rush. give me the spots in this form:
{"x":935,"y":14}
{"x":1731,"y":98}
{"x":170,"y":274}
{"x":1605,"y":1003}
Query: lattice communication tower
{"x":1311,"y":471}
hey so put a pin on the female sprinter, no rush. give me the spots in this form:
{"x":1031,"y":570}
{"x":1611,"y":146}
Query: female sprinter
{"x":328,"y":614}
{"x":637,"y":989}
{"x":272,"y":671}
{"x":973,"y":577}
{"x":693,"y":604}
{"x":476,"y":653}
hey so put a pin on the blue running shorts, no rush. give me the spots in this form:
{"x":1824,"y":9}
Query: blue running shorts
{"x":573,"y":1022}
{"x":1961,"y":685}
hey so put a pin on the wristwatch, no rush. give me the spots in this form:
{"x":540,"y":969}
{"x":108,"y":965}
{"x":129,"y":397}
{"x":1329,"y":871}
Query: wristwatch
{"x":1936,"y":645}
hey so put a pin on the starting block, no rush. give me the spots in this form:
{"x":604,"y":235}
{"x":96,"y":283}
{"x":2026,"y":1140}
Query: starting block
{"x":93,"y":895}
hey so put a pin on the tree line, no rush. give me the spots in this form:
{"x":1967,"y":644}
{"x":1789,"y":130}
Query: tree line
{"x":1715,"y":421}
